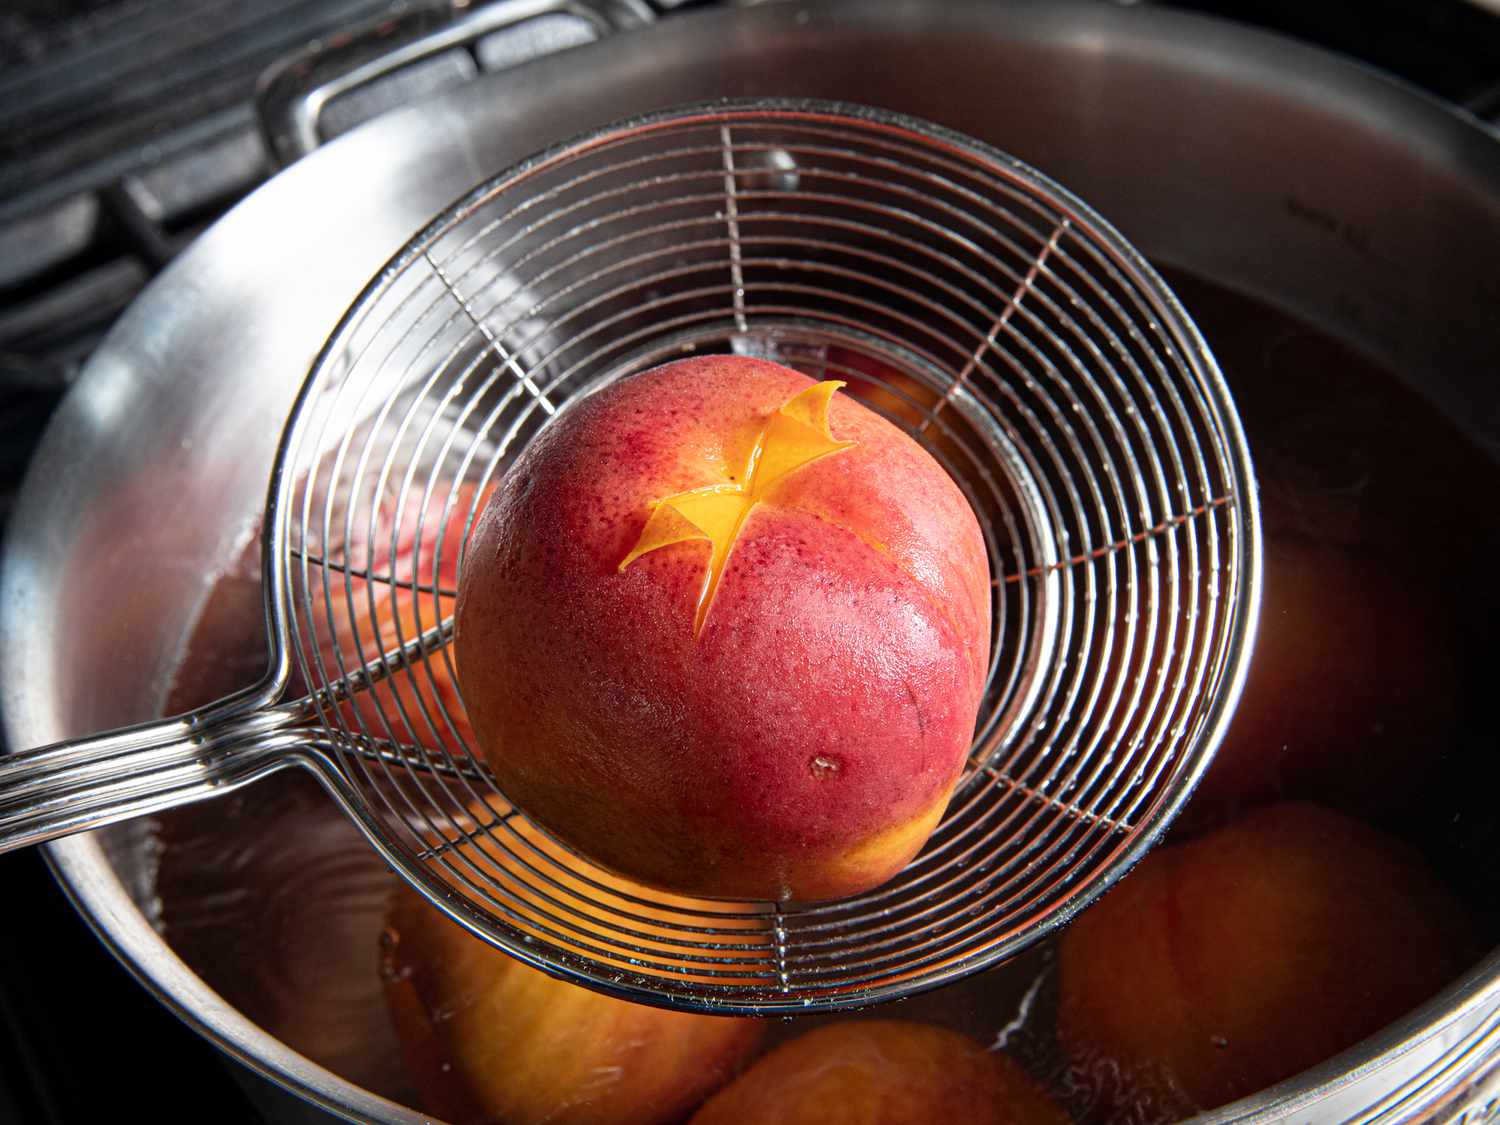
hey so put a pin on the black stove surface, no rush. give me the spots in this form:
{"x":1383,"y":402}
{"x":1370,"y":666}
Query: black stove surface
{"x":80,"y":1040}
{"x":126,"y":128}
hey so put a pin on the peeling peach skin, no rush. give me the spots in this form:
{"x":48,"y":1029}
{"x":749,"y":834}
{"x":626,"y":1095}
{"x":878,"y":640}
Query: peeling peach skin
{"x":831,"y":694}
{"x":1223,"y":965}
{"x":487,"y":1039}
{"x":882,"y":1072}
{"x":794,"y":436}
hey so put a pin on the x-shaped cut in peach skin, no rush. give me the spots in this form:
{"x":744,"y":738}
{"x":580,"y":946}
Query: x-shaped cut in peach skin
{"x":794,"y":436}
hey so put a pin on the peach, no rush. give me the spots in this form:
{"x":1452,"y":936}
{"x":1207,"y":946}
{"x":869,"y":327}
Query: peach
{"x":882,"y":1072}
{"x":1351,"y":689}
{"x":725,"y":631}
{"x":487,"y":1038}
{"x":420,"y":702}
{"x":1231,"y":962}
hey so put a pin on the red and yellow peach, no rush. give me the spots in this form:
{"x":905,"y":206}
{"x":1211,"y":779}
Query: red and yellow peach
{"x":726,"y":632}
{"x":486,"y":1038}
{"x":882,"y":1072}
{"x":1228,"y":963}
{"x":416,"y":564}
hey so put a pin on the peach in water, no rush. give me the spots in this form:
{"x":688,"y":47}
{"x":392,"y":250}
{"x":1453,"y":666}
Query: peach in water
{"x":486,"y":1038}
{"x":415,"y":561}
{"x":1231,"y":962}
{"x":890,"y":1072}
{"x":725,"y":631}
{"x":1351,"y":690}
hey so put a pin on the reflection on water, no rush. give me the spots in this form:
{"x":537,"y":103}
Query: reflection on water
{"x":271,"y":894}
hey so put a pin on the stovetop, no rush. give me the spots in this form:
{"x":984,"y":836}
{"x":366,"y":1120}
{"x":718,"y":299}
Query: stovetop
{"x":126,"y":128}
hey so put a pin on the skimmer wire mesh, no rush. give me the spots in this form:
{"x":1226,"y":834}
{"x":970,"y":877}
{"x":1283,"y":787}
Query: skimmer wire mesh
{"x":980,"y":307}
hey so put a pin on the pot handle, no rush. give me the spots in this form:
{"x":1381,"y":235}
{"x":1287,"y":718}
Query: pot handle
{"x":91,"y":782}
{"x":395,"y":61}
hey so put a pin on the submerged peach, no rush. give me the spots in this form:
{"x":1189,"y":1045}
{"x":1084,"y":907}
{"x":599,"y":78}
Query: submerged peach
{"x":725,"y":631}
{"x":1228,"y":963}
{"x":1352,"y":689}
{"x":890,"y":1072}
{"x":486,"y":1038}
{"x":356,"y":619}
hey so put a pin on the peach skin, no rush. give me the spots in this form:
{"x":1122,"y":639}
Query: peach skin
{"x":1228,"y":963}
{"x":881,"y":1072}
{"x":882,"y":386}
{"x":486,"y":1038}
{"x":1351,"y":691}
{"x":419,"y":703}
{"x":725,"y":631}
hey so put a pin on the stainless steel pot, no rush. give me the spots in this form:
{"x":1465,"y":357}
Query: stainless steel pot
{"x":1353,"y":202}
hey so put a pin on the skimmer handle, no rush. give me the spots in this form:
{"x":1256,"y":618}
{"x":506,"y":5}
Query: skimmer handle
{"x":91,"y":782}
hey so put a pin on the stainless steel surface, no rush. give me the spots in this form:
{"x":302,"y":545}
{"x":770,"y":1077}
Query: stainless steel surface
{"x":1347,"y":199}
{"x":249,"y":377}
{"x":394,"y":61}
{"x":75,"y":786}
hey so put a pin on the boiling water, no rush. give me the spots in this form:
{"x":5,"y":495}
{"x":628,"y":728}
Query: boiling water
{"x":274,"y":899}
